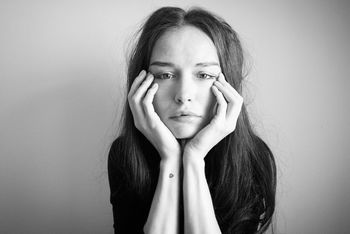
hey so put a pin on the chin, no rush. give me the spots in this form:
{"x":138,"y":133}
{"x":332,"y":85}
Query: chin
{"x":184,"y":133}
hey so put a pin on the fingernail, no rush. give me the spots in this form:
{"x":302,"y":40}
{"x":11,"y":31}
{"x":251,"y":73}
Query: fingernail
{"x":142,"y":72}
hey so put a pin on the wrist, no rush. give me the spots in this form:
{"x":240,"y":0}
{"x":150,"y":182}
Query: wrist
{"x":170,"y":163}
{"x":193,"y":158}
{"x":170,"y":154}
{"x":170,"y":168}
{"x":190,"y":150}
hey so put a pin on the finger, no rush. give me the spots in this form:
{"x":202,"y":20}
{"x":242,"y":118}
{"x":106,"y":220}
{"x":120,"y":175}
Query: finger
{"x":228,"y":94}
{"x":134,"y":100}
{"x":148,"y":100}
{"x":223,"y":81}
{"x":141,"y":91}
{"x":233,"y":110}
{"x":234,"y":101}
{"x":136,"y":83}
{"x":222,"y":104}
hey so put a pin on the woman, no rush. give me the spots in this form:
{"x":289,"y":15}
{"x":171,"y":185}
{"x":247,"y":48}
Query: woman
{"x":187,"y":159}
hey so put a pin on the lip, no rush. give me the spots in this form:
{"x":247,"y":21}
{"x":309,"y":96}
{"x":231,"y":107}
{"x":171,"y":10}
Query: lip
{"x":185,"y":118}
{"x":182,"y":114}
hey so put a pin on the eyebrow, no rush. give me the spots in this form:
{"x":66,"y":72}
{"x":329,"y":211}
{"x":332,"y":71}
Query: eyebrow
{"x":166,"y":64}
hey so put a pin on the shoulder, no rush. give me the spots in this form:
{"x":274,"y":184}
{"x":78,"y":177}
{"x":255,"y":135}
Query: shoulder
{"x":261,"y":145}
{"x":115,"y":157}
{"x":117,"y":144}
{"x":264,"y":153}
{"x":116,"y":149}
{"x":115,"y":166}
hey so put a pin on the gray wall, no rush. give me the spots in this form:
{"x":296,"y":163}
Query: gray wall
{"x":61,"y":80}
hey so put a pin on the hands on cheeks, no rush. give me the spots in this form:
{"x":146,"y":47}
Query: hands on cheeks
{"x":146,"y":120}
{"x":223,"y":123}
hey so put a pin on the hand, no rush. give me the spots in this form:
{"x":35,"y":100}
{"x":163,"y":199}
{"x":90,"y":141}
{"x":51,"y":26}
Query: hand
{"x":146,"y":120}
{"x":223,"y":123}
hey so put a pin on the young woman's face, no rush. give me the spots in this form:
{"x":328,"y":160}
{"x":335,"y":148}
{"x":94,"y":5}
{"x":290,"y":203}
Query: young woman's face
{"x":185,"y":64}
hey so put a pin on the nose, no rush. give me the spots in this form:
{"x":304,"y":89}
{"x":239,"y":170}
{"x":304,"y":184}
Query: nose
{"x":182,"y":99}
{"x":185,"y":90}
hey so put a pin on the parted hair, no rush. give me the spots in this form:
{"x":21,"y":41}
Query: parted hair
{"x":240,"y":169}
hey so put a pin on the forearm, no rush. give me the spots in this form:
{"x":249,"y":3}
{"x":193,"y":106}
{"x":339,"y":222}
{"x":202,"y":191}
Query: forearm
{"x":198,"y":205}
{"x":163,"y":217}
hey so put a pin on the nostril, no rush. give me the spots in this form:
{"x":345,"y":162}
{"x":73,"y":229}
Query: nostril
{"x":182,"y":99}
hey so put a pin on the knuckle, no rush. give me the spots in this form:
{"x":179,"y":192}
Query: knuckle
{"x":224,"y":131}
{"x":145,"y":101}
{"x":224,"y":104}
{"x":129,"y":97}
{"x":134,"y":99}
{"x":140,"y":127}
{"x":152,"y":125}
{"x":130,"y":92}
{"x":233,"y":127}
{"x":229,"y":130}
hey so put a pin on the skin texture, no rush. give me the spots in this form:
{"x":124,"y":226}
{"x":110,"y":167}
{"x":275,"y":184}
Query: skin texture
{"x":183,"y":85}
{"x":185,"y":64}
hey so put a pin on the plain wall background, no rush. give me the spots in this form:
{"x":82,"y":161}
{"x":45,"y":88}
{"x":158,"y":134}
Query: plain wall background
{"x":61,"y":87}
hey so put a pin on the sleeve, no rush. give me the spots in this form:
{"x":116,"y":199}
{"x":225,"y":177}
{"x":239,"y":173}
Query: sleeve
{"x":128,"y":215}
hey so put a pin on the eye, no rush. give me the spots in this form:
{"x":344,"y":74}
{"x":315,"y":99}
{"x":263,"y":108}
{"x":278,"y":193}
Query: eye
{"x":164,"y":76}
{"x":206,"y":76}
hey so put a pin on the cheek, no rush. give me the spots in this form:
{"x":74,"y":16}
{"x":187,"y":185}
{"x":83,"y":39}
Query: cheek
{"x":208,"y":101}
{"x":160,"y":101}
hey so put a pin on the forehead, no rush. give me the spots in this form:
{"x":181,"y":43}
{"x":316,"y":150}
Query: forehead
{"x":186,"y":45}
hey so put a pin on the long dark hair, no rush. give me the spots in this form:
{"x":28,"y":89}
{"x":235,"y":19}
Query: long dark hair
{"x":240,"y":169}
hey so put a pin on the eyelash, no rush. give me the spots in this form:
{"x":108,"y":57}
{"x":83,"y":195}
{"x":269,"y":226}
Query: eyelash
{"x":160,"y":75}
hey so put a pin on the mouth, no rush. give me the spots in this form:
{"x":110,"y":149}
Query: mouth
{"x":185,"y":114}
{"x":185,"y":118}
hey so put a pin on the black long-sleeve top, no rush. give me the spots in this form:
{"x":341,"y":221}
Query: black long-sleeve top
{"x":129,"y":210}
